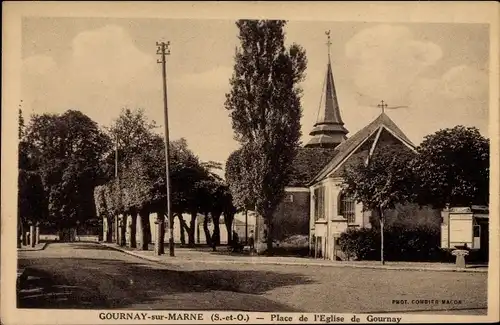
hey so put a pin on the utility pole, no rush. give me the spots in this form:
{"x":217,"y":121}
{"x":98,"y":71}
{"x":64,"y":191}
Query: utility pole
{"x":163,"y":50}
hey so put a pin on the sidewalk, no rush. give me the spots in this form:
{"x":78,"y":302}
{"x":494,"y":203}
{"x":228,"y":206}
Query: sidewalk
{"x":183,"y":255}
{"x":38,"y":247}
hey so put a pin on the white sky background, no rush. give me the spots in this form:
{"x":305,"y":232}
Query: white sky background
{"x":99,"y":66}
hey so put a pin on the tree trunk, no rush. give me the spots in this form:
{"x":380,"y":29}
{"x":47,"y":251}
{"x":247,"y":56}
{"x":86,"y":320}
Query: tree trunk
{"x":143,"y":229}
{"x":162,"y":224}
{"x":37,"y":233}
{"x":216,"y":232}
{"x":197,"y":233}
{"x":269,"y":235}
{"x":246,"y":226}
{"x":109,"y":233}
{"x":159,"y":232}
{"x":191,"y":229}
{"x":182,"y":233}
{"x":123,"y":228}
{"x":19,"y":240}
{"x":382,"y":236}
{"x":133,"y":230}
{"x":146,"y":224}
{"x":23,"y":235}
{"x":32,"y":235}
{"x":116,"y":229}
{"x":208,"y":238}
{"x":140,"y":232}
{"x":228,"y":221}
{"x":260,"y":233}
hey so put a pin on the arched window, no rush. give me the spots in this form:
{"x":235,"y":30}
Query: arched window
{"x":346,"y":207}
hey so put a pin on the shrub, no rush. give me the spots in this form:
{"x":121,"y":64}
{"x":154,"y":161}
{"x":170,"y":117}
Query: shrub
{"x":359,"y":243}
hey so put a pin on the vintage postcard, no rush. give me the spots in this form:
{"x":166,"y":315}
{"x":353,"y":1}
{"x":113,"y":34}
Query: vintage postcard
{"x":249,"y":162}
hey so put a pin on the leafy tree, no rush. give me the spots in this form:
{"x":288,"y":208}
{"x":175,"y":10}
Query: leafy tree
{"x":31,"y":204}
{"x":234,"y":172}
{"x":264,"y":104}
{"x":69,"y":150}
{"x":132,"y":133}
{"x":383,"y":182}
{"x":453,"y":168}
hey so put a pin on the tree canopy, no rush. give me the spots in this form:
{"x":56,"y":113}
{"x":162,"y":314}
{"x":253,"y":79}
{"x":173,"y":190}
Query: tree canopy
{"x":68,"y":150}
{"x":452,"y":168}
{"x":384,"y":181}
{"x":141,"y":183}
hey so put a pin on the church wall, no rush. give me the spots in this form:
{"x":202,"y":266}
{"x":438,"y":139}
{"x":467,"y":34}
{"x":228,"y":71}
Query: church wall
{"x":292,"y":215}
{"x":324,"y":235}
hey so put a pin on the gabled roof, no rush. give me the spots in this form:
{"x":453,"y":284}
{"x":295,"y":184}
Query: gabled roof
{"x":348,"y":147}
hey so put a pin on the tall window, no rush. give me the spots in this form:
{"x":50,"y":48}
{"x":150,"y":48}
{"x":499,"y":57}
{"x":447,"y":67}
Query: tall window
{"x":319,"y":203}
{"x":346,"y":207}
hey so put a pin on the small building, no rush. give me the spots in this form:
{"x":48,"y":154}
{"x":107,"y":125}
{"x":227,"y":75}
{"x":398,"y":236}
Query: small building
{"x":466,"y":227}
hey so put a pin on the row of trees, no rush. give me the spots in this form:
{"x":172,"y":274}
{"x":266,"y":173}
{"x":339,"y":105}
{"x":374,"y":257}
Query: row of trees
{"x":68,"y":168}
{"x":140,"y":187}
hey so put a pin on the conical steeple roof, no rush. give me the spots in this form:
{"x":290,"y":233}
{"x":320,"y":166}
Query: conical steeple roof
{"x":329,"y":130}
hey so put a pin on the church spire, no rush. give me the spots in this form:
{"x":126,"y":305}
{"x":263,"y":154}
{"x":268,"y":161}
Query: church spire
{"x":329,"y":130}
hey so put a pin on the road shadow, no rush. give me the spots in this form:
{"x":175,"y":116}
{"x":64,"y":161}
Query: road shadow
{"x":88,"y":283}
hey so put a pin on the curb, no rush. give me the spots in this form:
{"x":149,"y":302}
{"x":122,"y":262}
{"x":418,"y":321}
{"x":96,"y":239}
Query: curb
{"x":119,"y":249}
{"x":399,"y":268}
{"x":45,"y":244}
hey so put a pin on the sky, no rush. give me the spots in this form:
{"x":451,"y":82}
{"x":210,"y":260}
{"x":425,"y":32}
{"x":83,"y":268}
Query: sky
{"x":438,"y":71}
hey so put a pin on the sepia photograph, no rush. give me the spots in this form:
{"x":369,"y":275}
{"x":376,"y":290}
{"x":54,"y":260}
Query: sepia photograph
{"x":308,"y":170}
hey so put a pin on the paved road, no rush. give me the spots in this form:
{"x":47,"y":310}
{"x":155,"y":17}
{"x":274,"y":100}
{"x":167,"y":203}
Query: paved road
{"x":88,"y":275}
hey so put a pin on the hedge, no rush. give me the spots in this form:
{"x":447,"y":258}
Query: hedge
{"x":420,"y":243}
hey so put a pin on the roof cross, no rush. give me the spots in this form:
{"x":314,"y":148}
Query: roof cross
{"x":382,"y":105}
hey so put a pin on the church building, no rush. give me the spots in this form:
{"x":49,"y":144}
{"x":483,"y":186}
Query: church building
{"x":314,"y":197}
